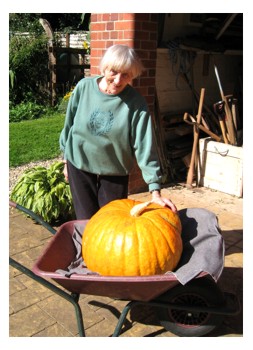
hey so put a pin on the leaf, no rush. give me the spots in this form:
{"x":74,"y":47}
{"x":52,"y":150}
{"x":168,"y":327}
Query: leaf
{"x":44,"y":191}
{"x":56,"y":166}
{"x":29,"y":203}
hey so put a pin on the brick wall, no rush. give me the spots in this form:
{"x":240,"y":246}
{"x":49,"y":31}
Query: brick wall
{"x":139,"y":31}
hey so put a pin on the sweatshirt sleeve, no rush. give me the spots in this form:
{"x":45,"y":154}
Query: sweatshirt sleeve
{"x":69,"y":119}
{"x":143,"y":142}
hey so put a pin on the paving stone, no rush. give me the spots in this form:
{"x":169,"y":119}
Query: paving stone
{"x":233,"y":260}
{"x":38,"y":289}
{"x":231,"y":221}
{"x":13,"y":272}
{"x":95,"y":302}
{"x":15,"y":286}
{"x":64,"y":312}
{"x":22,"y":299}
{"x":28,"y":322}
{"x":101,"y":329}
{"x":55,"y":330}
{"x":233,"y":237}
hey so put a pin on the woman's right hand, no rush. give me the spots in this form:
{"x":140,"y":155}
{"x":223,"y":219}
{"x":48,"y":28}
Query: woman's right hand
{"x":65,"y":172}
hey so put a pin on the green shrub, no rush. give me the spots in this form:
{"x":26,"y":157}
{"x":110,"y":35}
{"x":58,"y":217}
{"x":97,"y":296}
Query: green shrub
{"x":28,"y":66}
{"x":45,"y":192}
{"x":26,"y":111}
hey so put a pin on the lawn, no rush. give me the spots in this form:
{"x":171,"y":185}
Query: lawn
{"x":35,"y":140}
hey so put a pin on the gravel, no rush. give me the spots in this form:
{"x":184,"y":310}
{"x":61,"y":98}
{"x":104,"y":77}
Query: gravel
{"x":15,"y":173}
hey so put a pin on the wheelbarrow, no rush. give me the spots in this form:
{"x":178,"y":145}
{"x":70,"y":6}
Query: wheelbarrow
{"x":188,"y":301}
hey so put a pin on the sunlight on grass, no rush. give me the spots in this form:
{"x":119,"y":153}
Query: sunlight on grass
{"x":35,"y":140}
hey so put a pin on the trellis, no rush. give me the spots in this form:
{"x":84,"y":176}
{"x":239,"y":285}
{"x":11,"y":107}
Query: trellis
{"x":57,"y":66}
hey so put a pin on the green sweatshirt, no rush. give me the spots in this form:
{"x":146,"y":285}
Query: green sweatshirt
{"x":103,"y":133}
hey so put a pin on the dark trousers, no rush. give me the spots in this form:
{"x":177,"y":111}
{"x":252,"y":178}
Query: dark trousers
{"x":90,"y":191}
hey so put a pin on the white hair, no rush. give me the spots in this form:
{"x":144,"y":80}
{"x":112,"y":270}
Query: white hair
{"x":121,"y":58}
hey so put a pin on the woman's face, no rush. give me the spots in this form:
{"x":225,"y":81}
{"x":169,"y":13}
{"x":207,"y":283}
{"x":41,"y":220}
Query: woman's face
{"x":116,"y":80}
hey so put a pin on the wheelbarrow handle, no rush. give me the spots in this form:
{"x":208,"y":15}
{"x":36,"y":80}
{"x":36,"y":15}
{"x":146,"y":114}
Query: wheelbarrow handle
{"x":36,"y":217}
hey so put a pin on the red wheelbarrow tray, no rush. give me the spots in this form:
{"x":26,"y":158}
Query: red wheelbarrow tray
{"x":61,"y":251}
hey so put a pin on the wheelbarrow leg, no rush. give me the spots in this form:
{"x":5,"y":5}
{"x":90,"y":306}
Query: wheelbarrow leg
{"x":122,"y":318}
{"x":79,"y":315}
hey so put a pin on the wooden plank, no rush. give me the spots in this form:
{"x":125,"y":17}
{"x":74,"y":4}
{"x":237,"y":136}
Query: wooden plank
{"x":72,"y":66}
{"x":67,"y":50}
{"x":220,"y":167}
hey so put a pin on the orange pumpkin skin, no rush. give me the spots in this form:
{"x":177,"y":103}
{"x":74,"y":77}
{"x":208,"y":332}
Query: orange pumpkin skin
{"x":118,"y":244}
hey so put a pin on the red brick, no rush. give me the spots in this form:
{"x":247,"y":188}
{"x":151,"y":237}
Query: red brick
{"x":98,"y":44}
{"x":109,"y":43}
{"x":148,"y":45}
{"x":153,"y":36}
{"x":147,"y":81}
{"x":105,"y":35}
{"x":142,"y":35}
{"x":94,"y":61}
{"x":137,"y":185}
{"x":124,"y":25}
{"x":150,"y":26}
{"x":98,"y":26}
{"x":121,"y":35}
{"x":143,"y":54}
{"x":106,"y":17}
{"x":97,"y":52}
{"x":128,"y":16}
{"x":140,"y":17}
{"x":93,"y":35}
{"x":129,"y":34}
{"x":149,"y":63}
{"x":143,"y":90}
{"x":113,"y":34}
{"x":99,"y":17}
{"x":137,"y":44}
{"x":137,"y":26}
{"x":152,"y":72}
{"x":93,"y":18}
{"x":150,"y":102}
{"x":154,"y":17}
{"x":124,"y":42}
{"x":110,"y":26}
{"x":114,"y":16}
{"x":151,"y":90}
{"x":153,"y":55}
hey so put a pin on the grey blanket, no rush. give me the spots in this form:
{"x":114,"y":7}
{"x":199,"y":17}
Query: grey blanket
{"x":203,"y":247}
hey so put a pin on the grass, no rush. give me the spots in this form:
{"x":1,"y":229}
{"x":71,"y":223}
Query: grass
{"x":35,"y":140}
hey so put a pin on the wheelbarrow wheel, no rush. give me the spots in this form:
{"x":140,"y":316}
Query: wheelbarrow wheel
{"x":198,"y":293}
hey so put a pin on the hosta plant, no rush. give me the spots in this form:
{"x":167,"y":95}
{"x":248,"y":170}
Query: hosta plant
{"x":45,"y":192}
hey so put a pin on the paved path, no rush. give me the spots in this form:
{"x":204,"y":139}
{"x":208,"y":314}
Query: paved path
{"x":37,"y":312}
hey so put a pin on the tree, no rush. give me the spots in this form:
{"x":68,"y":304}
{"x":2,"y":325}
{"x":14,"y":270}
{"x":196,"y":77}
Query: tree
{"x":29,"y":22}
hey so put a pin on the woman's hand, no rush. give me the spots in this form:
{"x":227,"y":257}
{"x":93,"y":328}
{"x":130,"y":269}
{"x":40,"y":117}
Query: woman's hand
{"x":164,"y":202}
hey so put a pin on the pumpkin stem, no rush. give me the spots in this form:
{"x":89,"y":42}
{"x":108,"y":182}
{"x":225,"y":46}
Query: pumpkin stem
{"x":138,"y":208}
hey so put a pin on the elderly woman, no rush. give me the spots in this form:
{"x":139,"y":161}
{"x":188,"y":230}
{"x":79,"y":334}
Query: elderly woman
{"x":107,"y":125}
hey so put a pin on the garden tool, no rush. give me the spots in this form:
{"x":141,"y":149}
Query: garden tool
{"x":201,"y":127}
{"x":195,"y":141}
{"x":228,"y":114}
{"x":220,"y":112}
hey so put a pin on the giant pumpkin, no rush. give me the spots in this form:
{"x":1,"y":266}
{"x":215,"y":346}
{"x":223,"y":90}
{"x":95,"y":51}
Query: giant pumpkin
{"x":131,"y":238}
